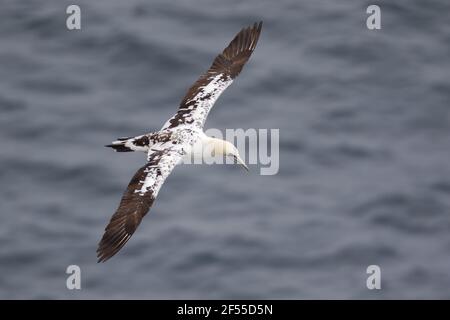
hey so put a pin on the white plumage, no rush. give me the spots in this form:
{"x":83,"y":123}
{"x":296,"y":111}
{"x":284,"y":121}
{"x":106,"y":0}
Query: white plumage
{"x":180,"y":137}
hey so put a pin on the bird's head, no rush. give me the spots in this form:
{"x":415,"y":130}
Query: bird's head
{"x":227,"y":149}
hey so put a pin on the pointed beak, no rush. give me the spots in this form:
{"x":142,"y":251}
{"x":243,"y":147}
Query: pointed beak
{"x":241,"y":163}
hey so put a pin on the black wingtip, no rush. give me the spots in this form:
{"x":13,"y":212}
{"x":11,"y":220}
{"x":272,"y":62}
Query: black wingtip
{"x":101,"y":260}
{"x":257,"y":26}
{"x":102,"y":257}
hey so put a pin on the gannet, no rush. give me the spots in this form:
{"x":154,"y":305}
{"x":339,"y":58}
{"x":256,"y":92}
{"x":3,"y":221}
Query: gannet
{"x":181,"y":137}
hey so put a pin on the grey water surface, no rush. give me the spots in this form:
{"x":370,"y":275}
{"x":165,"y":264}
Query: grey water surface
{"x":364,"y":177}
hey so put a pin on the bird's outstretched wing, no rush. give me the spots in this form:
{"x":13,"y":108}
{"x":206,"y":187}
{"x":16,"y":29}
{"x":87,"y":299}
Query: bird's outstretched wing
{"x":137,"y":200}
{"x":200,"y":98}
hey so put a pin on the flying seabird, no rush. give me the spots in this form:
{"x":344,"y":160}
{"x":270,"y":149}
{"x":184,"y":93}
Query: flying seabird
{"x":178,"y":139}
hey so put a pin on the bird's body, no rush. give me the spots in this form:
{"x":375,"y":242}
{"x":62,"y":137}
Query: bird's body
{"x":197,"y":146}
{"x":180,"y":139}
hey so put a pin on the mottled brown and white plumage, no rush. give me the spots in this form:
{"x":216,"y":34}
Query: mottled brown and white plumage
{"x":175,"y":141}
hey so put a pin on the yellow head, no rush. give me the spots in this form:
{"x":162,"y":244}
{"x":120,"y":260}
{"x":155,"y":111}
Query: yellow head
{"x":227,"y":149}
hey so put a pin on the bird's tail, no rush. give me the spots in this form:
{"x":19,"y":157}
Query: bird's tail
{"x":120,"y":145}
{"x":129,"y":144}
